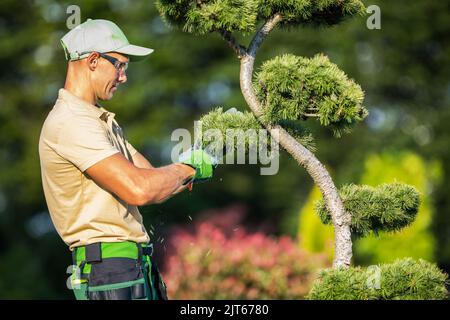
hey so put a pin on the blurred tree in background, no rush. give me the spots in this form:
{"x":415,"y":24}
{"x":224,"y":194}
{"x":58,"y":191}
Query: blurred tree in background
{"x":403,"y":68}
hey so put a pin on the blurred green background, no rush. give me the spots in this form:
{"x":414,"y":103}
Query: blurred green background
{"x":403,"y":69}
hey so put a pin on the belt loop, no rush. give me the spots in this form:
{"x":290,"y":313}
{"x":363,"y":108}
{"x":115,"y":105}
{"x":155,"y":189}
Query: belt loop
{"x":82,"y":264}
{"x":93,"y":252}
{"x":140,"y":252}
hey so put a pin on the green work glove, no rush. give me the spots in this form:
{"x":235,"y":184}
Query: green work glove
{"x":203,"y":163}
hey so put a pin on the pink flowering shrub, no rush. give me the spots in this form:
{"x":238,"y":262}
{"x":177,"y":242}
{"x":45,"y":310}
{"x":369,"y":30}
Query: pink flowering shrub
{"x":212,"y":263}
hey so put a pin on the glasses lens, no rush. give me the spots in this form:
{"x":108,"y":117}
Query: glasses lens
{"x":121,"y":66}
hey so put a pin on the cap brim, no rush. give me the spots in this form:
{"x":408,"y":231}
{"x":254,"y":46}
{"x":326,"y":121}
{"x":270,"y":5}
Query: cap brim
{"x":135,"y":53}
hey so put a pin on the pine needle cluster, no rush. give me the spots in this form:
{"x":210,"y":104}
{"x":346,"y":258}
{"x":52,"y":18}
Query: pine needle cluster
{"x":404,"y":279}
{"x":311,"y":12}
{"x":299,"y":88}
{"x":387,"y":207}
{"x":222,"y":122}
{"x":204,"y":16}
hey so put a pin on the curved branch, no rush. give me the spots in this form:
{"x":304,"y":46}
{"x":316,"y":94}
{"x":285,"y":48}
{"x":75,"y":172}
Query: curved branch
{"x":246,"y":86}
{"x":262,"y":33}
{"x":341,"y":219}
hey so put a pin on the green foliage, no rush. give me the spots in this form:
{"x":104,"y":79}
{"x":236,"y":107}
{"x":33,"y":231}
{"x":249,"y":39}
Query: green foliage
{"x":388,"y":207}
{"x":407,"y":279}
{"x":403,"y":279}
{"x":221,"y":122}
{"x":297,"y":88}
{"x":342,"y":284}
{"x":318,"y":12}
{"x":204,"y":16}
{"x":214,"y":263}
{"x":409,"y":168}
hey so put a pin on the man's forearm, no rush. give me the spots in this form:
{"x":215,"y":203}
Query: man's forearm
{"x":141,"y":162}
{"x":181,"y":188}
{"x":158,"y":184}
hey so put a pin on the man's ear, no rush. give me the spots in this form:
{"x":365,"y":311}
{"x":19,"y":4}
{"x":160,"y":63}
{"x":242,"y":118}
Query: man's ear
{"x":92,"y":60}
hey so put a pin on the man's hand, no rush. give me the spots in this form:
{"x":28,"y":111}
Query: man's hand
{"x":203,"y":163}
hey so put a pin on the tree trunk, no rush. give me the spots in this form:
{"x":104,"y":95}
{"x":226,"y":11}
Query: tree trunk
{"x":340,"y":218}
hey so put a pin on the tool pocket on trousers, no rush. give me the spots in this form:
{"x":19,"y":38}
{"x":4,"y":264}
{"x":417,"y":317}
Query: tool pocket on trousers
{"x":119,"y":291}
{"x":116,"y":279}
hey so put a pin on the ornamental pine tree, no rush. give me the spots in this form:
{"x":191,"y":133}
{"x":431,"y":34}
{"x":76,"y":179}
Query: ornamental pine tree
{"x":285,"y":93}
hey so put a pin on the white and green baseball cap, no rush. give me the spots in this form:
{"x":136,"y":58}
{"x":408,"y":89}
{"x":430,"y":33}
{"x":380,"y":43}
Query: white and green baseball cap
{"x":100,"y":36}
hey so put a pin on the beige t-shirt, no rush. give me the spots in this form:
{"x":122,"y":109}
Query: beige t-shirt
{"x":75,"y":136}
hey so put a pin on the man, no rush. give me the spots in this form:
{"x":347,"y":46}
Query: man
{"x":94,"y":179}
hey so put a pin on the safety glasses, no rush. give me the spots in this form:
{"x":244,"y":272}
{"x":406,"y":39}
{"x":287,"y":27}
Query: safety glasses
{"x":119,"y":65}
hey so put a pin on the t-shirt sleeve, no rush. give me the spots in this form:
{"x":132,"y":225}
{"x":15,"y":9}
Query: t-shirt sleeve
{"x":84,"y":142}
{"x":130,"y":148}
